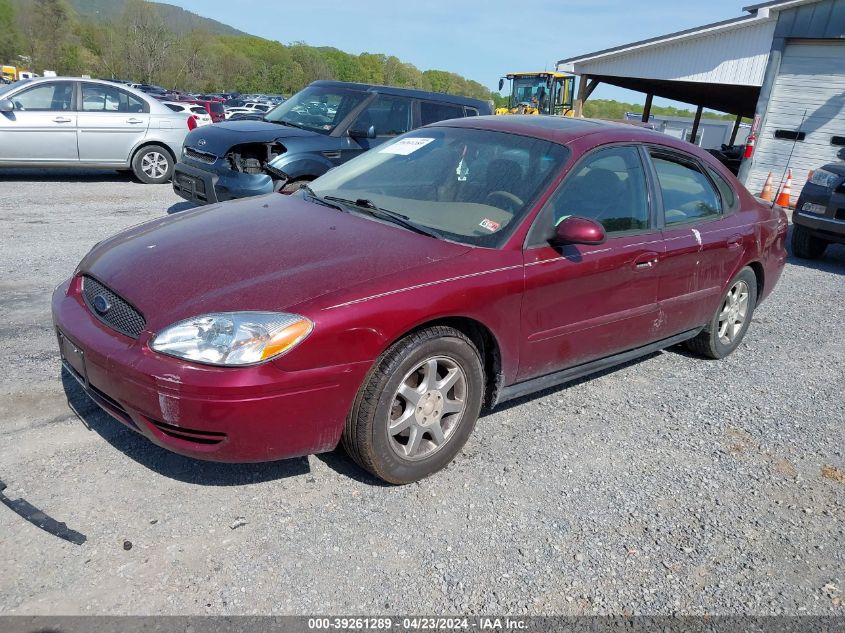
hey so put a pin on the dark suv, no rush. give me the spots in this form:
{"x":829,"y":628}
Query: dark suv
{"x":819,"y":217}
{"x":318,"y":128}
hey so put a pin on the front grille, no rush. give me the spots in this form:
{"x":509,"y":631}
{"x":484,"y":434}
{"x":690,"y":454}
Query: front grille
{"x":203,"y":157}
{"x":120,"y":315}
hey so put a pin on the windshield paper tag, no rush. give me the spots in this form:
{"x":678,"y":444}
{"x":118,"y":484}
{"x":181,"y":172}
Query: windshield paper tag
{"x":490,"y":225}
{"x":406,"y":146}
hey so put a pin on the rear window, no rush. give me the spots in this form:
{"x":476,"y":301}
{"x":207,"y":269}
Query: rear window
{"x":431,"y":112}
{"x":218,"y":108}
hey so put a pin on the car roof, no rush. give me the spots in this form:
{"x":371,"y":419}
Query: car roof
{"x":406,"y":92}
{"x":563,"y":130}
{"x":153,"y":102}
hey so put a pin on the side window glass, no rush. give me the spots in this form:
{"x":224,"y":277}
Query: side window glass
{"x":727,"y":192}
{"x":470,"y":111}
{"x":57,"y":97}
{"x":97,"y":98}
{"x":390,"y":115}
{"x":609,"y":187}
{"x":688,"y":195}
{"x":431,"y":112}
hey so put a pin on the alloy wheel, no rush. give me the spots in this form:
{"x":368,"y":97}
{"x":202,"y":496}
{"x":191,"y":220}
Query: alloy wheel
{"x":734,"y":312}
{"x":427,"y":408}
{"x":155,"y":165}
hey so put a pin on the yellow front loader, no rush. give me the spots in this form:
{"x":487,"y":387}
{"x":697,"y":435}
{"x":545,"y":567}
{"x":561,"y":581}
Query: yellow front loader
{"x":549,"y":93}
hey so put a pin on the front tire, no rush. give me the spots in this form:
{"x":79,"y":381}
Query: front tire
{"x":417,"y":406}
{"x":727,"y":328}
{"x":153,"y":165}
{"x":806,"y":245}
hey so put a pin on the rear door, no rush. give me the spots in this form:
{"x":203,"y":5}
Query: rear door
{"x":42,"y":127}
{"x":704,"y":239}
{"x":582,"y":302}
{"x":111,"y":123}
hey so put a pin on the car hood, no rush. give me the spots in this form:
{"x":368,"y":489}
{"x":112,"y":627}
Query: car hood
{"x":220,"y":137}
{"x":265,"y":253}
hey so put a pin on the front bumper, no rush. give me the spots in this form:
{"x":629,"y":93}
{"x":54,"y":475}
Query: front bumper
{"x":829,"y":225}
{"x":202,"y":186}
{"x":246,"y":414}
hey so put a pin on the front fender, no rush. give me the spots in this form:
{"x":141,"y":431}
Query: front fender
{"x":296,"y":166}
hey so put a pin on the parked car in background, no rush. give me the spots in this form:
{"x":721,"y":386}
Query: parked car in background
{"x":215,"y":109}
{"x":69,"y":122}
{"x":200,"y":113}
{"x":461,"y":265}
{"x":819,"y":217}
{"x":320,"y":127}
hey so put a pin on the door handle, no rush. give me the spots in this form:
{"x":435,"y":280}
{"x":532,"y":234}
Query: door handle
{"x":646,"y":261}
{"x":62,"y":119}
{"x":134,"y":121}
{"x":735,"y":241}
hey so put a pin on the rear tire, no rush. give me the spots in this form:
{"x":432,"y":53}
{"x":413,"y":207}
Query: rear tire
{"x":417,"y":407}
{"x":727,"y":328}
{"x":806,"y":245}
{"x":153,"y":165}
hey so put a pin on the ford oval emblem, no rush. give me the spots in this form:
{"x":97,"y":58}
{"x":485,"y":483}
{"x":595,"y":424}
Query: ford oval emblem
{"x":201,"y":142}
{"x":101,"y":304}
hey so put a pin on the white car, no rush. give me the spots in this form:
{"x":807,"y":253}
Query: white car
{"x":202,"y":115}
{"x":250,"y":108}
{"x":72,"y":122}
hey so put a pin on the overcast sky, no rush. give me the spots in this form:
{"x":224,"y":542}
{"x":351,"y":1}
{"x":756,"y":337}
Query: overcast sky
{"x":479,"y":39}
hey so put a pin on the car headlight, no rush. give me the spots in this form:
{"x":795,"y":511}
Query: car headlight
{"x":233,"y":338}
{"x":824,"y":178}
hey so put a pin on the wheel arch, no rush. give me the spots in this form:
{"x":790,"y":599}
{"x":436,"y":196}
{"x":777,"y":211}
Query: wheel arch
{"x":148,"y":143}
{"x":485,"y":342}
{"x":760,"y":273}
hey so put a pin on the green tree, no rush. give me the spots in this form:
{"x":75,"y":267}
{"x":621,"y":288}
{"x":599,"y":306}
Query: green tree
{"x":8,"y":32}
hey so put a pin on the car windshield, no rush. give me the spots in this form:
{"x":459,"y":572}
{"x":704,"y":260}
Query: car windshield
{"x":530,"y":91}
{"x":467,"y":185}
{"x":317,"y":108}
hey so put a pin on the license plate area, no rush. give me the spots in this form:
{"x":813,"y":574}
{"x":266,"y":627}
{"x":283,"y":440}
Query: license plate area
{"x":73,"y":357}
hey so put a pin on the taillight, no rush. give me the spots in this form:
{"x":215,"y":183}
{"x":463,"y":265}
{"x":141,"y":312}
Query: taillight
{"x":192,"y":122}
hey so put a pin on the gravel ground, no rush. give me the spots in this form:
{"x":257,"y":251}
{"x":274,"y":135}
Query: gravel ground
{"x":672,"y":485}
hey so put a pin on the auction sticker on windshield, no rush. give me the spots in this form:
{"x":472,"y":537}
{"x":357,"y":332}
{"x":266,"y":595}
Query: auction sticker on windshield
{"x":406,"y":146}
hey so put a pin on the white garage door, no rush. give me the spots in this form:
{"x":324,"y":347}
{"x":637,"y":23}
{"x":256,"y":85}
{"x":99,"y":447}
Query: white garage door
{"x":810,"y":85}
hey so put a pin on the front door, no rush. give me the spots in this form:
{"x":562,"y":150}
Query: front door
{"x":111,"y":123}
{"x":388,"y":115}
{"x":42,"y":127}
{"x":581,"y":302}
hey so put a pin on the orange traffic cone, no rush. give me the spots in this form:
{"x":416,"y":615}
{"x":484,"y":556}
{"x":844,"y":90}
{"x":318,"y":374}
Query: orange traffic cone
{"x":767,"y":193}
{"x":786,"y":192}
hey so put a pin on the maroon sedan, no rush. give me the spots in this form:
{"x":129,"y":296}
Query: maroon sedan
{"x":451,"y":269}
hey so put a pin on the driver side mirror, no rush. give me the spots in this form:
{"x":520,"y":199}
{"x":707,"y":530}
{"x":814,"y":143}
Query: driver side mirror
{"x":501,"y":83}
{"x":578,"y":230}
{"x":841,"y":154}
{"x":363,"y":132}
{"x":6,"y":105}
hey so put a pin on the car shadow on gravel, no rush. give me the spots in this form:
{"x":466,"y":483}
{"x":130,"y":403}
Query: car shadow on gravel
{"x":180,"y":206}
{"x":43,"y":174}
{"x":165,"y":463}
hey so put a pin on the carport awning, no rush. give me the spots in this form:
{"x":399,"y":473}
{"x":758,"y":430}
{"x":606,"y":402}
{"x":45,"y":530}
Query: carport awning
{"x":740,"y":100}
{"x":720,"y":66}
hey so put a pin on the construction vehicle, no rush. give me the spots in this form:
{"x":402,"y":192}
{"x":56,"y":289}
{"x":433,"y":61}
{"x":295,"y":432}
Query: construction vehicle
{"x":13,"y":73}
{"x":550,"y":93}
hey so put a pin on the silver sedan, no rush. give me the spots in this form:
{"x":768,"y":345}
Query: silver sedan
{"x":70,"y":122}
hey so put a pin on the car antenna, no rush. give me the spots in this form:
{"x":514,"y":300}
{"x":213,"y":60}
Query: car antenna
{"x":789,"y":159}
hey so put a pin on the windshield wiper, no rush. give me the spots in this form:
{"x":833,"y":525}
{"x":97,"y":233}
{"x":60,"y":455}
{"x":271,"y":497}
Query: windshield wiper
{"x":369,"y":207}
{"x":307,"y":189}
{"x":283,"y":122}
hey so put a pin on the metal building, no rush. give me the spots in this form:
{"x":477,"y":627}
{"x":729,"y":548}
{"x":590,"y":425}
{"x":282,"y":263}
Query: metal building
{"x":782,"y":64}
